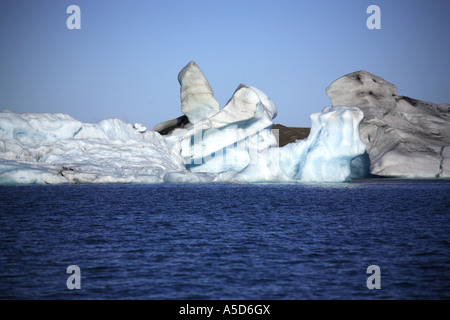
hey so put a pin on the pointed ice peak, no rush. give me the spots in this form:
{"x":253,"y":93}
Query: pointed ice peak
{"x":197,"y":97}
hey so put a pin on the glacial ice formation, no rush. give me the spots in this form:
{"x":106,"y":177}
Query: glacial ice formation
{"x":239,"y":138}
{"x":228,"y":139}
{"x":55,"y":148}
{"x":325,"y":156}
{"x":405,"y":137}
{"x":197,"y":97}
{"x":234,"y":144}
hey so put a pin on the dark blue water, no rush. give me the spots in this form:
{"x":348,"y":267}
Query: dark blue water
{"x":224,"y":241}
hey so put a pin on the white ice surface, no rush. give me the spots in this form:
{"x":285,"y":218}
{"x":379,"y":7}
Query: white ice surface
{"x":55,"y":148}
{"x":226,"y":140}
{"x":325,"y":156}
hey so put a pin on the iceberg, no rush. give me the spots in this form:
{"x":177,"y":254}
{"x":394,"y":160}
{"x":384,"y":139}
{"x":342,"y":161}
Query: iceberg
{"x":405,"y":137}
{"x":324,"y":156}
{"x":55,"y":148}
{"x":227,"y":140}
{"x":207,"y":144}
{"x":239,"y":138}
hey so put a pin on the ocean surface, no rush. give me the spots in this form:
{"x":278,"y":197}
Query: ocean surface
{"x":227,"y":241}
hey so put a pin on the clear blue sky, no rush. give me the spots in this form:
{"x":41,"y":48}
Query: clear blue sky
{"x":124,"y":61}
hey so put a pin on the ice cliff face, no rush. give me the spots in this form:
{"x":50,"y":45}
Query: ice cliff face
{"x":404,"y":137}
{"x":234,"y":144}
